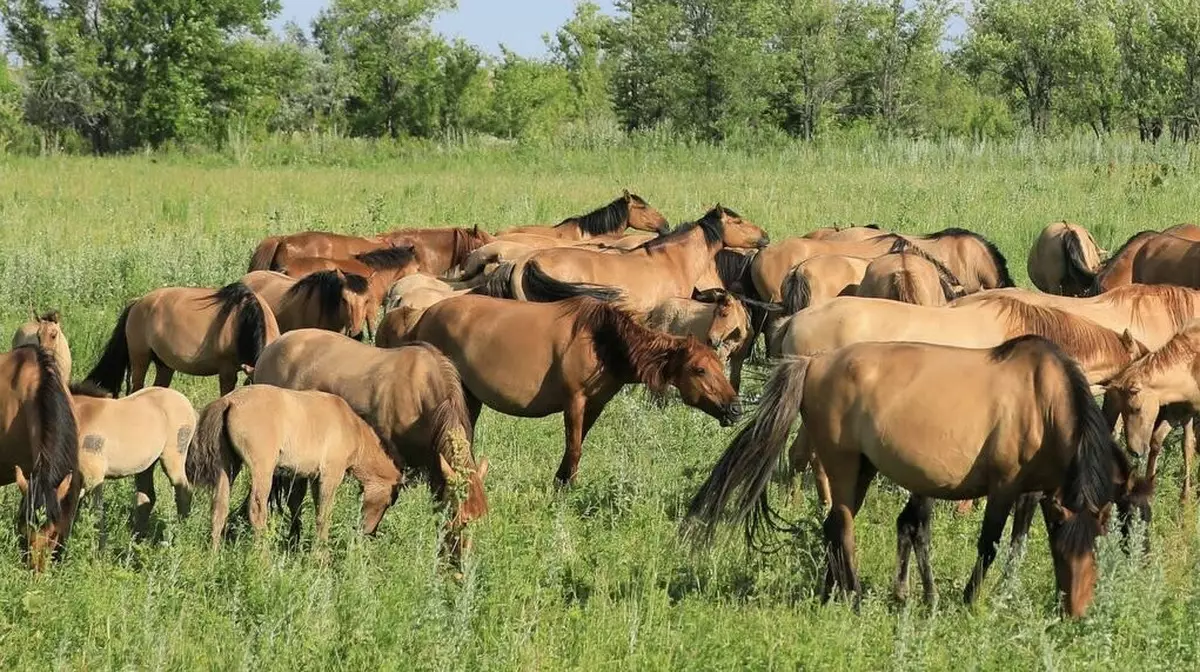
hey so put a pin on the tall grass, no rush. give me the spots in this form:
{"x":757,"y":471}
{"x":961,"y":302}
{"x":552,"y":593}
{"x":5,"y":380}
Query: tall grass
{"x":592,"y":577}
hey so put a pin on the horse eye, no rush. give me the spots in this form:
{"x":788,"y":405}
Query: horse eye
{"x":699,"y":371}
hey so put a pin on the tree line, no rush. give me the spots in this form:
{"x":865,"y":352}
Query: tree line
{"x":117,"y":75}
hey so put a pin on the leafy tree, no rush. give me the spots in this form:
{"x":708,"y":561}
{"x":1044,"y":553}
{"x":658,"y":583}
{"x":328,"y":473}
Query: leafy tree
{"x":580,"y":46}
{"x":530,"y":98}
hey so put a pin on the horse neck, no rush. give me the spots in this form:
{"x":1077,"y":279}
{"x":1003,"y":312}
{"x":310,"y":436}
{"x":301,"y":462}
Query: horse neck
{"x":371,"y":464}
{"x":690,"y":254}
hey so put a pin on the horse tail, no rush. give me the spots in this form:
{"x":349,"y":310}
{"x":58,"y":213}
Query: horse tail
{"x":263,"y":258}
{"x":903,"y":287}
{"x":498,"y":283}
{"x":540,"y":287}
{"x":742,"y":474}
{"x":54,"y":441}
{"x":1078,"y":273}
{"x":210,"y":445}
{"x":113,"y":366}
{"x":797,"y":292}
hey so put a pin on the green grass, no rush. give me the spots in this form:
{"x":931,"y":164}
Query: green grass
{"x":593,"y":577}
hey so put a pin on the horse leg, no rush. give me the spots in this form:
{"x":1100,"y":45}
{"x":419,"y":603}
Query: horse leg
{"x":173,"y":467}
{"x":227,"y":380}
{"x":98,"y":507}
{"x":994,"y":518}
{"x":139,"y":366}
{"x":474,"y":408}
{"x":851,"y":478}
{"x":163,"y":374}
{"x":1189,"y":452}
{"x":912,"y":532}
{"x":1022,"y":520}
{"x":220,"y":504}
{"x":260,"y":492}
{"x":573,"y":424}
{"x":295,"y":500}
{"x":324,"y":489}
{"x":143,"y":500}
{"x":1157,"y":439}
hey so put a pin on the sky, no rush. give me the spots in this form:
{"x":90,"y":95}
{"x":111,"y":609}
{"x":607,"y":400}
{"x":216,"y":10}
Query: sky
{"x":518,"y":24}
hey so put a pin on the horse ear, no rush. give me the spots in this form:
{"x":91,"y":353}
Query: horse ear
{"x":625,"y":194}
{"x":64,"y":487}
{"x":1104,"y":516}
{"x":482,"y":469}
{"x":448,"y":472}
{"x":1056,"y":513}
{"x":22,"y":484}
{"x":1136,"y":350}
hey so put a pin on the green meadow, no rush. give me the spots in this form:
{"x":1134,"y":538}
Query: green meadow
{"x":593,"y":577}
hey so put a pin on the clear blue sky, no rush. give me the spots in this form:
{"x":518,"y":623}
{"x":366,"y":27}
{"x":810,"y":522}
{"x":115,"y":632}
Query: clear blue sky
{"x":518,"y":24}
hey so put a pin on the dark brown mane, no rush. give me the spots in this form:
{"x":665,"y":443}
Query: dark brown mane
{"x":711,"y":223}
{"x":56,"y":455}
{"x":611,"y":218}
{"x":989,"y":247}
{"x":49,"y":316}
{"x":733,"y":268}
{"x":389,"y":257}
{"x":628,"y":349}
{"x":325,"y":288}
{"x":87,"y":388}
{"x":1080,"y":338}
{"x":466,"y":241}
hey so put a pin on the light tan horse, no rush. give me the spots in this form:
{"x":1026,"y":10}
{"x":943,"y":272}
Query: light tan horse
{"x":818,"y":279}
{"x":714,"y":317}
{"x":627,"y":211}
{"x":666,"y":267}
{"x":1163,"y":385}
{"x":127,"y":437}
{"x":849,"y":233}
{"x":910,"y":277}
{"x":411,"y":396}
{"x":974,"y":260}
{"x":771,"y":266}
{"x":848,"y":320}
{"x":39,"y":449}
{"x":942,"y":423}
{"x":1117,"y":271}
{"x":197,"y":331}
{"x":570,"y":357}
{"x":323,"y":300}
{"x":305,"y":434}
{"x":46,"y":330}
{"x":1064,"y":260}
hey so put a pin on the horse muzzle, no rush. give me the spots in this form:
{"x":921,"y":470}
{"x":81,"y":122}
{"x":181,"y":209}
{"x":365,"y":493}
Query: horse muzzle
{"x":731,"y":414}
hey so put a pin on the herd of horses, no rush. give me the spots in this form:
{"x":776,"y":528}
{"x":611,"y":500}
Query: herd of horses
{"x":913,"y":357}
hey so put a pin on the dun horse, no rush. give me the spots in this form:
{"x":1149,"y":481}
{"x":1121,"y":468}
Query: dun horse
{"x":910,"y":277}
{"x":127,"y":436}
{"x":46,"y":331}
{"x":627,"y":211}
{"x":305,"y":434}
{"x":200,"y":332}
{"x":1168,"y":260}
{"x":1064,"y":260}
{"x":39,"y":448}
{"x":570,"y":357}
{"x":847,"y":233}
{"x":942,"y":423}
{"x":815,"y":281}
{"x":411,"y":396}
{"x":1117,"y":271}
{"x":323,"y":300}
{"x":437,"y":250}
{"x":665,"y":267}
{"x":974,"y":260}
{"x":714,"y":317}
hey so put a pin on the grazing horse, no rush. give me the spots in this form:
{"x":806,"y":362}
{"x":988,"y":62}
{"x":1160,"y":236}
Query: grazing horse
{"x":46,"y":330}
{"x":39,"y":449}
{"x":437,"y":250}
{"x":714,"y":317}
{"x":127,"y":436}
{"x":1065,"y":259}
{"x":307,"y":434}
{"x":627,"y":211}
{"x":411,"y":396}
{"x":641,"y":278}
{"x":193,"y":330}
{"x":850,"y":319}
{"x":772,"y":265}
{"x":910,"y":277}
{"x":1117,"y":271}
{"x":570,"y":357}
{"x":973,"y":259}
{"x":1168,"y":260}
{"x":849,"y":233}
{"x":942,"y":423}
{"x":323,"y":300}
{"x":1163,"y":385}
{"x":818,"y":279}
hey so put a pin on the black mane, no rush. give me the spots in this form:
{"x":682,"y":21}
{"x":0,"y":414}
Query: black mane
{"x":711,"y":223}
{"x":388,"y":257}
{"x":611,"y":218}
{"x":57,"y":455}
{"x":994,"y":252}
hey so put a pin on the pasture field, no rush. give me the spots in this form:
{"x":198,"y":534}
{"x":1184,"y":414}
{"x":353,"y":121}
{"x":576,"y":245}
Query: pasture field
{"x":593,"y":577}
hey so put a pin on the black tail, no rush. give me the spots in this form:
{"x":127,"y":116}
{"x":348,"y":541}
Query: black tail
{"x":740,"y":478}
{"x":797,"y":292}
{"x":210,"y":445}
{"x":251,"y":327}
{"x":498,"y":283}
{"x":113,"y":366}
{"x":55,"y":449}
{"x":1080,"y":277}
{"x":542,"y":288}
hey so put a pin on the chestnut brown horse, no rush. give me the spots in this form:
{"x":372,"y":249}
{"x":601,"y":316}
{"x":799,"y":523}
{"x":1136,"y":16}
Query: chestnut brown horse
{"x":411,"y":395}
{"x":626,"y":211}
{"x":818,"y":279}
{"x":1117,"y":271}
{"x":641,"y":278}
{"x":1168,"y":260}
{"x":910,"y":277}
{"x":1064,"y":260}
{"x":437,"y":250}
{"x":382,"y":268}
{"x":39,"y":448}
{"x":330,"y":300}
{"x":46,"y":330}
{"x":942,"y":423}
{"x":569,"y":357}
{"x":197,"y":331}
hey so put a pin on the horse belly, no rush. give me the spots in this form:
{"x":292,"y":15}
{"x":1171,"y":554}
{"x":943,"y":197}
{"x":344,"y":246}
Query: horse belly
{"x":303,"y":457}
{"x":124,"y":455}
